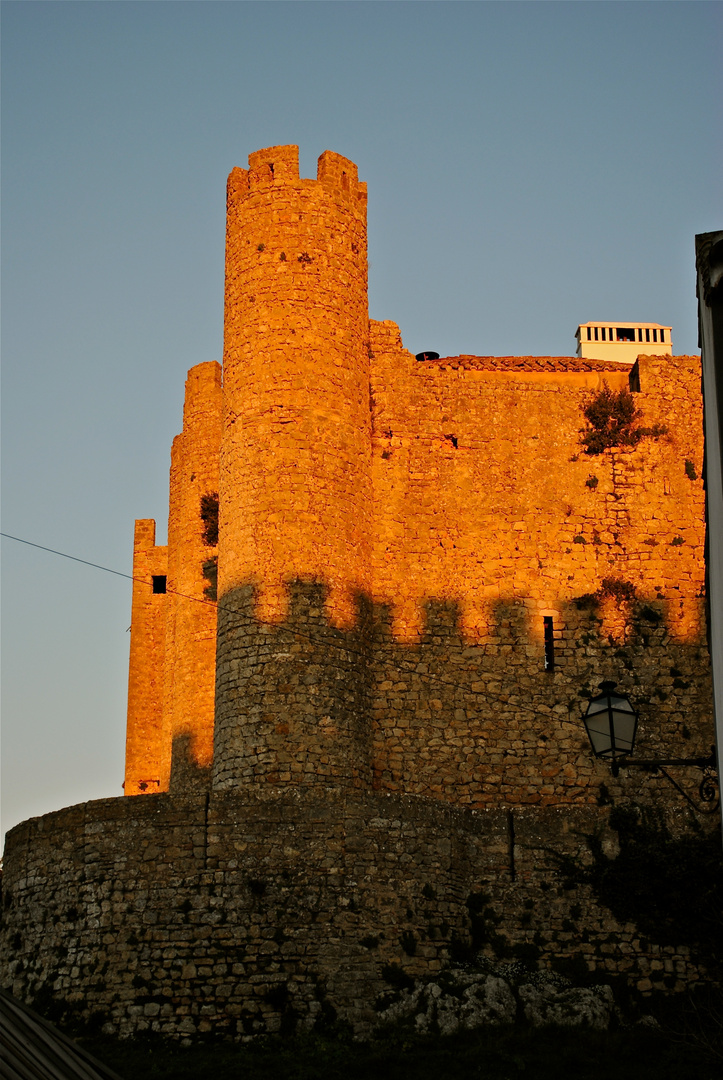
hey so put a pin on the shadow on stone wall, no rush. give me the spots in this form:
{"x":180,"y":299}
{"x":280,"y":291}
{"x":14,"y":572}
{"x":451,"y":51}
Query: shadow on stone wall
{"x":472,"y":721}
{"x":379,"y":810}
{"x":186,"y":774}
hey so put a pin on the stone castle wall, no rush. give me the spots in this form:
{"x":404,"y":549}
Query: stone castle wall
{"x":394,"y":535}
{"x":422,"y":577}
{"x":244,"y":915}
{"x":489,"y":518}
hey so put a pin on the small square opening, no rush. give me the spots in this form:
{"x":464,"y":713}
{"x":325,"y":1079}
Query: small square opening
{"x":159,"y":583}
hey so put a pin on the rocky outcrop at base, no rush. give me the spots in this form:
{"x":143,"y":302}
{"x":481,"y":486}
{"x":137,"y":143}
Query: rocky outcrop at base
{"x":461,"y":1000}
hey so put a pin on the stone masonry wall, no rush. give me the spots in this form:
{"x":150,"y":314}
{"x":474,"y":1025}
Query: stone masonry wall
{"x":239,"y":915}
{"x":490,"y":517}
{"x":400,"y":771}
{"x":295,"y":695}
{"x":395,"y":535}
{"x":173,"y":635}
{"x":438,"y":685}
{"x":148,"y":746}
{"x":192,"y":566}
{"x":295,"y":462}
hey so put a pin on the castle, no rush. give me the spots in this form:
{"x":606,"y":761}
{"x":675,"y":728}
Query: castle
{"x":359,"y":665}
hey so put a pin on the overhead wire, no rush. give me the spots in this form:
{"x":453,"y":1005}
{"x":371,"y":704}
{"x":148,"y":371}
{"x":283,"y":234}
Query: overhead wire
{"x":107,"y":569}
{"x":293,"y":632}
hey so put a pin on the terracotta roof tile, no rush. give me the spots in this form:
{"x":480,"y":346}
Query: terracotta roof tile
{"x":526,"y":363}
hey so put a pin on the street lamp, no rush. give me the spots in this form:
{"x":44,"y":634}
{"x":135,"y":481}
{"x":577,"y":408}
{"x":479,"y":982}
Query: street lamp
{"x":611,"y":723}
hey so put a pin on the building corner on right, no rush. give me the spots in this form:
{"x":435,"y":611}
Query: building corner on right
{"x":709,"y":267}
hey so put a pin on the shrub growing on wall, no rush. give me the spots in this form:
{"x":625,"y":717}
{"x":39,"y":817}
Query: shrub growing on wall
{"x":209,"y":519}
{"x":611,"y":416}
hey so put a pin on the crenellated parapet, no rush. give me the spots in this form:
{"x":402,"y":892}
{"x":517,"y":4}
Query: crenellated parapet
{"x":279,"y":166}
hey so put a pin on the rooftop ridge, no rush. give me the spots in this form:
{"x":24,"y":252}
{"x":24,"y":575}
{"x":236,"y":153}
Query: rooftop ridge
{"x":525,"y":363}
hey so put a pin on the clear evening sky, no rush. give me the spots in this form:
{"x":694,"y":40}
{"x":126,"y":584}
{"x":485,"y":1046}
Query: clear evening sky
{"x":530,"y":166}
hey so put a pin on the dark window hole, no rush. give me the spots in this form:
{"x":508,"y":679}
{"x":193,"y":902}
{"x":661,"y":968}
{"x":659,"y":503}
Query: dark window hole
{"x":549,"y":643}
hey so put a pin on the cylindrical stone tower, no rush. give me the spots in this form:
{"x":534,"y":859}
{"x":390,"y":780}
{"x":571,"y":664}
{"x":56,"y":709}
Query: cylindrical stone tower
{"x":189,"y":678}
{"x":295,"y":484}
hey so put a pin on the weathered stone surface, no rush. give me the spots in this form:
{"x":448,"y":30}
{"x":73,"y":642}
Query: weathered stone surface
{"x":591,"y":1007}
{"x":464,"y":1002}
{"x":394,"y":773}
{"x":393,"y":535}
{"x":245,"y":913}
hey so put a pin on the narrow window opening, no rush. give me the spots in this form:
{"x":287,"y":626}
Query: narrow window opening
{"x":655,"y":335}
{"x":647,"y":335}
{"x":596,"y":333}
{"x":589,"y":333}
{"x":603,"y":333}
{"x":549,"y":643}
{"x":640,"y":335}
{"x":662,"y":335}
{"x":159,"y":583}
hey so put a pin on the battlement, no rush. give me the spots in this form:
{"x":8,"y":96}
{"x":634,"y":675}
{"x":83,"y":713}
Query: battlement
{"x":144,"y":534}
{"x":278,"y":166}
{"x":203,"y":387}
{"x":274,"y":165}
{"x":340,"y":175}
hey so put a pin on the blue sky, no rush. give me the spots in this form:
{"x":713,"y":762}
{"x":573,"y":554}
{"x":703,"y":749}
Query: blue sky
{"x":530,"y":166}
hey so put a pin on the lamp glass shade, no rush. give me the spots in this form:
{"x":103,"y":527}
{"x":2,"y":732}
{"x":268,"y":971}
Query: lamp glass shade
{"x":611,"y":722}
